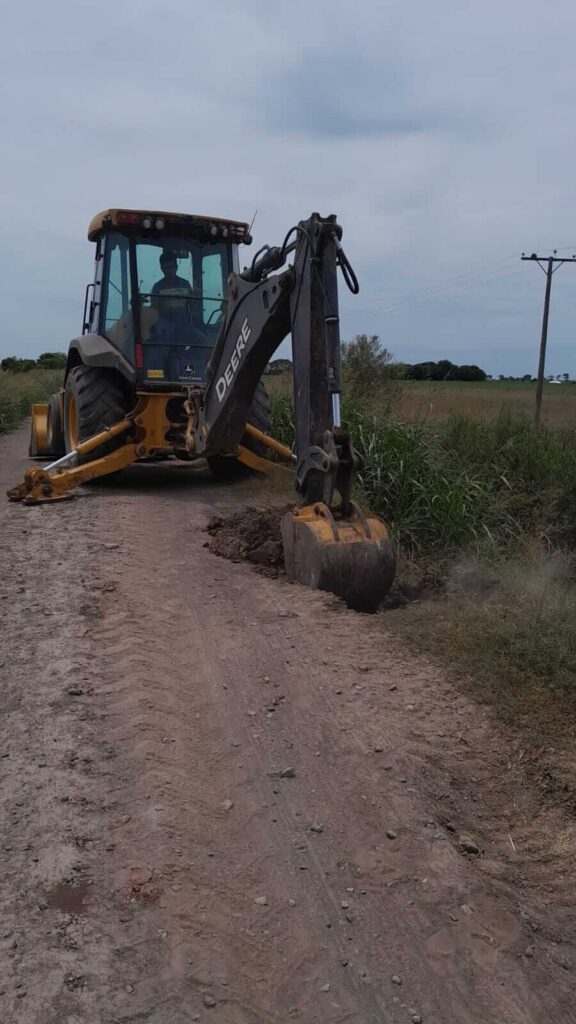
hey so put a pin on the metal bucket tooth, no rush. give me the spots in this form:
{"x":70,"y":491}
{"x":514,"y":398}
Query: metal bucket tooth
{"x":350,"y":556}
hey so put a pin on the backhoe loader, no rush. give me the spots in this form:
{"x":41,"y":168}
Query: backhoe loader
{"x":175,"y":340}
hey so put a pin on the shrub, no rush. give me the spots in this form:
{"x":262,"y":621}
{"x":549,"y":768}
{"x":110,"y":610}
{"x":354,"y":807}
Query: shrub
{"x":367,"y":369}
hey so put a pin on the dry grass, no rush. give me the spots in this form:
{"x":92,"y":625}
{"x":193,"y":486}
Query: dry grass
{"x":435,"y":401}
{"x":510,"y":628}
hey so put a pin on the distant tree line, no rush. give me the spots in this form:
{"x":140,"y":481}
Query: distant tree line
{"x":47,"y":361}
{"x":441,"y":370}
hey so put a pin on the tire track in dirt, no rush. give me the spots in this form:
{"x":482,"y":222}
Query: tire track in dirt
{"x":162,"y":806}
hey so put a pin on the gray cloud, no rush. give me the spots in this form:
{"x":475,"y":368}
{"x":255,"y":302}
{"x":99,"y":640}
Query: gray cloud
{"x":339,"y":94}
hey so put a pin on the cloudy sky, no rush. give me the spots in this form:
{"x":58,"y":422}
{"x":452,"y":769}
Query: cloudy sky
{"x":442,"y":134}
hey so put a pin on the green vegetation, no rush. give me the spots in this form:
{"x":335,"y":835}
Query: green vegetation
{"x":46,"y":361}
{"x":484,"y":514}
{"x":19,"y":391}
{"x":443,"y":370}
{"x":462,"y":483}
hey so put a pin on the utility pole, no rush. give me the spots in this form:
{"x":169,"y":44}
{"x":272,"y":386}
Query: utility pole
{"x":549,"y":269}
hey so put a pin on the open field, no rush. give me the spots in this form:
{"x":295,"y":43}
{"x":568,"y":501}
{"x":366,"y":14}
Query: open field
{"x":18,"y":392}
{"x":435,"y":401}
{"x":486,"y":400}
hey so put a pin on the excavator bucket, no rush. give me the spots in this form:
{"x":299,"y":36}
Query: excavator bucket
{"x":351,"y":556}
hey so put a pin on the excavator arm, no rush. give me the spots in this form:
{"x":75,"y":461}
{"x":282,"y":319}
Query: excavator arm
{"x":328,"y":543}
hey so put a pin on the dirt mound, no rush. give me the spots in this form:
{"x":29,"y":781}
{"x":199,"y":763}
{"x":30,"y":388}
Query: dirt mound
{"x":252,"y":535}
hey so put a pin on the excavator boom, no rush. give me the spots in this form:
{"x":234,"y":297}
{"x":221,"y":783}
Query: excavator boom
{"x":329,"y":543}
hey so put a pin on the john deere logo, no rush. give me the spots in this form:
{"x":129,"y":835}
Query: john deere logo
{"x":189,"y":369}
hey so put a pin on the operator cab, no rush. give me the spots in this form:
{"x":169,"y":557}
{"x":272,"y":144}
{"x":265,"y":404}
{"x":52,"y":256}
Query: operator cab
{"x":159,"y":290}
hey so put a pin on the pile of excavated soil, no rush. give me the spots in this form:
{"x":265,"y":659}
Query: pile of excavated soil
{"x":252,"y":535}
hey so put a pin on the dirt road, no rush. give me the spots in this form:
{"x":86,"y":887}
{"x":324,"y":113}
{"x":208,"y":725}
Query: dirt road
{"x":227,"y":799}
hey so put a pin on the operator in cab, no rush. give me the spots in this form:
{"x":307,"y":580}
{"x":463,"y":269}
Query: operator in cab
{"x":170,"y":286}
{"x":172,"y":299}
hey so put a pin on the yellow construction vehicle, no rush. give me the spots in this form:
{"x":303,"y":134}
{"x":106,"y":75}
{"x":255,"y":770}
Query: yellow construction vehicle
{"x":174,"y":343}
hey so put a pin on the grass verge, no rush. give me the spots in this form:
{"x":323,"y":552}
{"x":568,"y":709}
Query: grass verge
{"x":510,"y":629}
{"x":484,"y":515}
{"x":19,"y":391}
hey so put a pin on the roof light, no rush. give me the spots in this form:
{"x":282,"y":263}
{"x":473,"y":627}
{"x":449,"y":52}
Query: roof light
{"x":127,"y":217}
{"x":159,"y":223}
{"x":147,"y":223}
{"x":213,"y":230}
{"x":224,"y":232}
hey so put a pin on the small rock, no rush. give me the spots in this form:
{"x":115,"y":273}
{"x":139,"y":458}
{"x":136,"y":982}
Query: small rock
{"x":288,"y":773}
{"x":379,"y":750}
{"x":316,"y":827}
{"x":343,"y":963}
{"x":110,"y":546}
{"x":325,"y":988}
{"x":75,"y":691}
{"x":393,"y":688}
{"x":468,"y":845}
{"x":21,"y":994}
{"x":466,"y":909}
{"x":416,"y":1018}
{"x":391,"y":833}
{"x":208,"y":1000}
{"x":344,"y":904}
{"x":291,"y":903}
{"x":396,"y":979}
{"x":529,"y":951}
{"x":261,"y":901}
{"x":129,"y":989}
{"x":228,"y":805}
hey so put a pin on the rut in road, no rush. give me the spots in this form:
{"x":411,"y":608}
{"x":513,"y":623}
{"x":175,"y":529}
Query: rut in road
{"x":250,"y":805}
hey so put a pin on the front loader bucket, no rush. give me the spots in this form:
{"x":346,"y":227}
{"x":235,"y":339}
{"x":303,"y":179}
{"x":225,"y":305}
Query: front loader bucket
{"x":350,"y":556}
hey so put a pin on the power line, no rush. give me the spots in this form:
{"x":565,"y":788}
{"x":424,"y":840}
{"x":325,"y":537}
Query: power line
{"x":462,"y":281}
{"x":431,"y":293}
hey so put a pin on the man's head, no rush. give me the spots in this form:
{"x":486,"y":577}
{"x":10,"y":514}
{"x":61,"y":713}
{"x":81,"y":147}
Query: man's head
{"x":168,"y":263}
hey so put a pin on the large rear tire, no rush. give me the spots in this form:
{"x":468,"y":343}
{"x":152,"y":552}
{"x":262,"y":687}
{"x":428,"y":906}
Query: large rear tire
{"x":94,"y":398}
{"x":260,"y":416}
